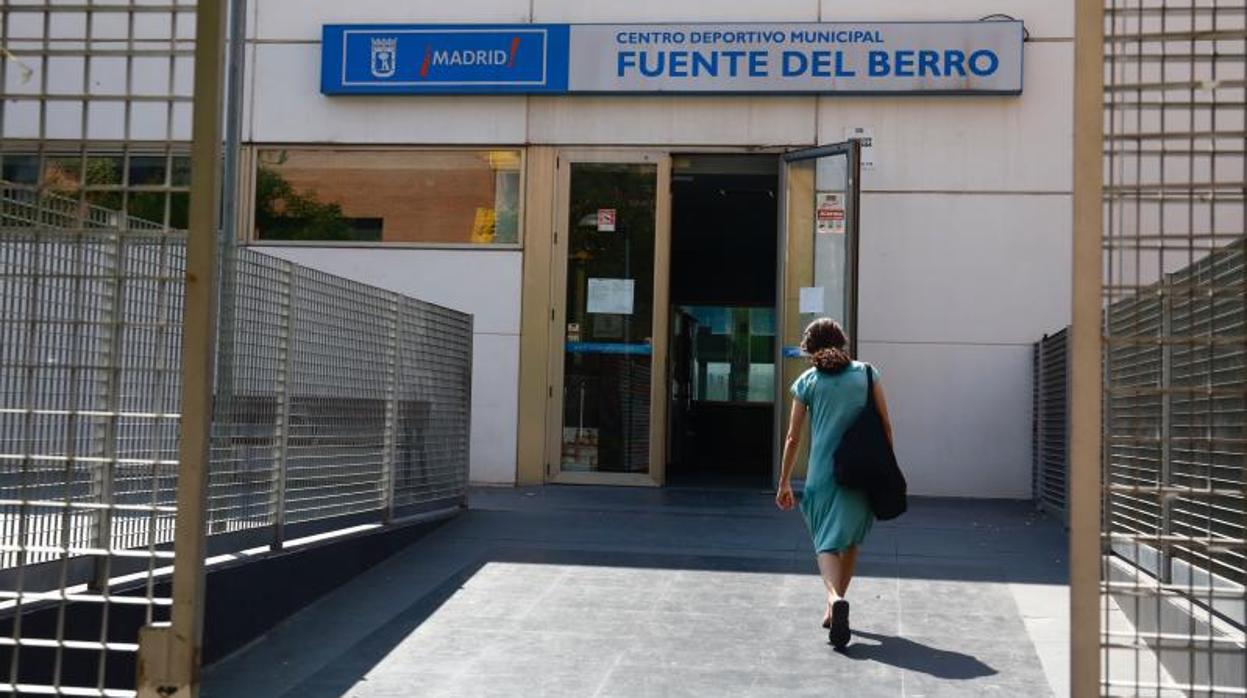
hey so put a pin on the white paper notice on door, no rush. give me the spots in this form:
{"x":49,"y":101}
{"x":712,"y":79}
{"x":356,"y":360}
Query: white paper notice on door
{"x":611,"y":296}
{"x":812,"y":300}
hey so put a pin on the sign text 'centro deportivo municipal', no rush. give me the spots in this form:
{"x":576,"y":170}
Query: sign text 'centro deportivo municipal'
{"x":848,"y":58}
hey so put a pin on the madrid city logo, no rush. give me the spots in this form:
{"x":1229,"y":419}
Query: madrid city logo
{"x":384,"y":61}
{"x":468,"y":58}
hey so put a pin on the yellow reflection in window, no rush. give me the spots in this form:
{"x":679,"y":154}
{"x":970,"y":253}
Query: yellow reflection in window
{"x":483,"y":226}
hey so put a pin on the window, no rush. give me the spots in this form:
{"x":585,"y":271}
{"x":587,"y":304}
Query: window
{"x":417,"y":197}
{"x":152,"y":187}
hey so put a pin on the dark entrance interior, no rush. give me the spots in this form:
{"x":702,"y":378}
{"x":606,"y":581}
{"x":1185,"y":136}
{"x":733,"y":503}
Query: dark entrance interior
{"x":723,"y":266}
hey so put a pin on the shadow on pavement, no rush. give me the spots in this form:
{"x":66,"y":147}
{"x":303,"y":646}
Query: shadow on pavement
{"x":915,"y":656}
{"x":337,"y":678}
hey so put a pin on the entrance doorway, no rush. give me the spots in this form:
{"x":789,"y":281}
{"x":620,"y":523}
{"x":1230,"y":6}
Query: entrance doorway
{"x":724,"y":219}
{"x":679,"y":287}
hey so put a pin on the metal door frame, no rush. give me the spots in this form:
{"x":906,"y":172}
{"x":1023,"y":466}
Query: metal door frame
{"x":656,"y":474}
{"x":852,"y":149}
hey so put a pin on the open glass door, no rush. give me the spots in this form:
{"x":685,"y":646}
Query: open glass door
{"x":818,"y":243}
{"x":609,"y":317}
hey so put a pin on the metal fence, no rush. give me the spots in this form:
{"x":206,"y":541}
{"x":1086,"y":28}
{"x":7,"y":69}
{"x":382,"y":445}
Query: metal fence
{"x":339,"y":404}
{"x":1175,"y":506}
{"x":1174,"y":502}
{"x":1050,"y":424}
{"x":334,"y":403}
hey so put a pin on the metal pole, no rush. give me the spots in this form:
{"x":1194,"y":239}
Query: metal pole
{"x":467,"y":403}
{"x":1164,"y":569}
{"x":1040,"y":397}
{"x":104,"y":477}
{"x":233,"y":127}
{"x":224,"y":358}
{"x":285,"y":388}
{"x":169,"y":655}
{"x":1085,"y":350}
{"x":394,"y":374}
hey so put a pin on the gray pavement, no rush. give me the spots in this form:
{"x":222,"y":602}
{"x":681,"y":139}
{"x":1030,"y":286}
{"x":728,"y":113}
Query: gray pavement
{"x":561,"y":591}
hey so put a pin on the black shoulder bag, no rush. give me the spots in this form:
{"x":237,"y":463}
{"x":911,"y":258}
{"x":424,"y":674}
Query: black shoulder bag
{"x":865,"y":460}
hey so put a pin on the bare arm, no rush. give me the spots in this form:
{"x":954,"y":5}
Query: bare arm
{"x":882,"y":404}
{"x":796,"y":421}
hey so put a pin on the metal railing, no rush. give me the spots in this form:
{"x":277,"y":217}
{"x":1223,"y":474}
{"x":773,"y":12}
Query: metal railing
{"x":337,"y":399}
{"x":338,"y":403}
{"x":102,"y":103}
{"x":1175,"y":476}
{"x":1176,"y":455}
{"x":27,"y":206}
{"x":1176,"y":440}
{"x":1050,"y":424}
{"x":1171,"y":285}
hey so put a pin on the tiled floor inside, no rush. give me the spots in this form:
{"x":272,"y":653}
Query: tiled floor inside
{"x":599,"y":592}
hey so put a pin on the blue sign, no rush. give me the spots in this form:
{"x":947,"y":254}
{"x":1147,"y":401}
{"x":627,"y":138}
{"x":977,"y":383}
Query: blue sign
{"x":982,"y":57}
{"x":609,"y":348}
{"x":371,"y":59}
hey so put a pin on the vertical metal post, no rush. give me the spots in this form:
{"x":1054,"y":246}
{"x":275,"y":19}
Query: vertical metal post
{"x":1164,"y":570}
{"x":1065,"y":427}
{"x":1086,"y":378}
{"x":103,"y":478}
{"x":169,"y":655}
{"x":1039,"y":397}
{"x":225,"y":356}
{"x":467,"y":402}
{"x":389,"y":459}
{"x":281,"y":450}
{"x":230,"y":195}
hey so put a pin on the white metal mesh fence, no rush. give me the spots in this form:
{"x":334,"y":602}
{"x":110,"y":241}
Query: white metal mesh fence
{"x":342,"y":403}
{"x":332,"y":404}
{"x":1175,"y":341}
{"x":429,"y":412}
{"x":1050,"y":425}
{"x":95,"y":102}
{"x":89,"y":334}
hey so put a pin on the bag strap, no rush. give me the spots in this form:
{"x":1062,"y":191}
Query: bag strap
{"x":870,"y":385}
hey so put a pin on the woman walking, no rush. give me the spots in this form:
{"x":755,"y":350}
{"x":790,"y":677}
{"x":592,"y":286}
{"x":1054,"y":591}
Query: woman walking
{"x":832,"y":392}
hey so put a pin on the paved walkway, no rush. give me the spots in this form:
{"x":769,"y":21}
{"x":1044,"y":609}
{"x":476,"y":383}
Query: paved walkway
{"x":624,"y":592}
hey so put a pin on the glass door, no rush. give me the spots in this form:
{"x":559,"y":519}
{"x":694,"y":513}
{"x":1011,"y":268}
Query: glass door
{"x":818,"y":243}
{"x":609,"y":300}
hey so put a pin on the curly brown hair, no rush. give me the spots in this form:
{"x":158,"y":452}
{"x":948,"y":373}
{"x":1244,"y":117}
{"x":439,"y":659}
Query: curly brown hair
{"x":825,"y":343}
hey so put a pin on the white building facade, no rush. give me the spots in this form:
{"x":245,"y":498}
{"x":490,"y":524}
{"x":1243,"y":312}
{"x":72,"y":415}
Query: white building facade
{"x":962,"y":252}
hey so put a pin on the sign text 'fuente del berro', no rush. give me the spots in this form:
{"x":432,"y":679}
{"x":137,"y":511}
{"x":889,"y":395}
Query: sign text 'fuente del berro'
{"x":842,"y":58}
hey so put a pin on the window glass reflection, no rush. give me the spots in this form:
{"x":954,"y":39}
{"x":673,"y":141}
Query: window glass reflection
{"x":732,"y":353}
{"x":439,"y":197}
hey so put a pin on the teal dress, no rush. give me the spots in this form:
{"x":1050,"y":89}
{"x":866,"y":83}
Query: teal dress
{"x":838,"y":518}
